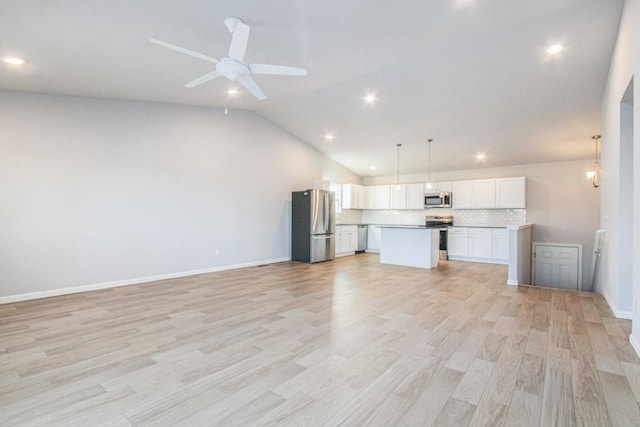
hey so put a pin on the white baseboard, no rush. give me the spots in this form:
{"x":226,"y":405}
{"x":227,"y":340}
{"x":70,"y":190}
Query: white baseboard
{"x":635,"y":343}
{"x":512,"y":282}
{"x":620,"y":314}
{"x":126,"y":282}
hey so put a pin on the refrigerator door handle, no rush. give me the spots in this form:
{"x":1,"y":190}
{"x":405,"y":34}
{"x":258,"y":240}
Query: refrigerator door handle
{"x":326,"y":212}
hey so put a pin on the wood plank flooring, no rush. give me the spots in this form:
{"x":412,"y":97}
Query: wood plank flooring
{"x":348,"y":342}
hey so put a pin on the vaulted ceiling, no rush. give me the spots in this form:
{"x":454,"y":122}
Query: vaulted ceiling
{"x":474,"y":75}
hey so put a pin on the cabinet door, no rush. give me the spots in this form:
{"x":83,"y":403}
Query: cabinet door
{"x":347,"y":193}
{"x":399,"y":196}
{"x":500,"y":244}
{"x":369,"y":198}
{"x":338,"y":243}
{"x":444,"y":187}
{"x":462,"y":194}
{"x":458,"y":242}
{"x":353,"y":241}
{"x":362,"y":197}
{"x":484,"y":194}
{"x":415,"y":196}
{"x":480,"y":243}
{"x":381,"y":194}
{"x":511,"y":193}
{"x":373,"y":238}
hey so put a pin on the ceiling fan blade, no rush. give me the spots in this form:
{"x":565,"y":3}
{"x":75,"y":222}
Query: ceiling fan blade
{"x":279,"y":70}
{"x":239,"y":41}
{"x":202,"y":79}
{"x":185,"y":51}
{"x":250,"y":85}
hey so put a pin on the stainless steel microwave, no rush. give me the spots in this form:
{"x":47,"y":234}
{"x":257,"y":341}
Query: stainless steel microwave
{"x":437,"y":200}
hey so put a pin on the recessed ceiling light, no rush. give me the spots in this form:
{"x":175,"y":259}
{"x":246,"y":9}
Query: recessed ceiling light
{"x":481,"y":156}
{"x":372,"y":168}
{"x":14,"y":61}
{"x":370,"y":99}
{"x":328,"y":137}
{"x":555,"y":49}
{"x":232,"y":92}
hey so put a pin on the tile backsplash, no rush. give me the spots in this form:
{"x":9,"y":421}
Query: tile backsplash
{"x":490,"y":216}
{"x":460,"y":217}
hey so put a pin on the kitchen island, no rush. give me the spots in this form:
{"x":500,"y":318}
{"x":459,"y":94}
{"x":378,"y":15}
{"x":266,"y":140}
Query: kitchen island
{"x":411,"y":246}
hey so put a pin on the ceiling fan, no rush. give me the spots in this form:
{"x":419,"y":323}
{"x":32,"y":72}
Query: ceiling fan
{"x":234,"y":68}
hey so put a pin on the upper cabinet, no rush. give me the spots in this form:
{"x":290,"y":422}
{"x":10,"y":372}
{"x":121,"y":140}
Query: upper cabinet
{"x":503,"y":193}
{"x":399,"y":196}
{"x":415,"y":196}
{"x":439,"y":187}
{"x":462,"y":195}
{"x":484,"y":194}
{"x":351,"y":196}
{"x":511,"y":193}
{"x":381,"y":197}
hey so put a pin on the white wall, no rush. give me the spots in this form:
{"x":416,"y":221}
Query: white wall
{"x":625,"y":63}
{"x":97,"y":191}
{"x":561,"y":203}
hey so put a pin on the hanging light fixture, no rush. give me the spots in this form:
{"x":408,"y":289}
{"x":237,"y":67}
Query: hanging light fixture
{"x":429,"y":185}
{"x":398,"y":171}
{"x":593,"y":176}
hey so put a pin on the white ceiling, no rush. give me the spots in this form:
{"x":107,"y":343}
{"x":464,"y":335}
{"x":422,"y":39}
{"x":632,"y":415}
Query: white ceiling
{"x":473,"y":74}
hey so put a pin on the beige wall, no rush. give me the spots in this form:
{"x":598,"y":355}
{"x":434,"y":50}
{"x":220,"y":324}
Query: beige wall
{"x":560,"y":202}
{"x":99,"y":191}
{"x":620,"y":207}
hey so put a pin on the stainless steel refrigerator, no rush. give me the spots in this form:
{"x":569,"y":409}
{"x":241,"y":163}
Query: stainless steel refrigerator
{"x":313,"y":226}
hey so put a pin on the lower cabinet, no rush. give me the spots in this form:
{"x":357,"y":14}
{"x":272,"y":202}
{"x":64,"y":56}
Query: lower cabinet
{"x":458,"y":242}
{"x":478,"y":244}
{"x":500,"y":245}
{"x":346,"y":239}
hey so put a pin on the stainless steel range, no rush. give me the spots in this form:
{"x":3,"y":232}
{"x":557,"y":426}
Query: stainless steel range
{"x":441,"y":222}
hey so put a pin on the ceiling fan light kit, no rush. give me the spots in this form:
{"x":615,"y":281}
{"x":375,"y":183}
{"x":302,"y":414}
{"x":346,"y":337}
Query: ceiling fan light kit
{"x":233,"y":67}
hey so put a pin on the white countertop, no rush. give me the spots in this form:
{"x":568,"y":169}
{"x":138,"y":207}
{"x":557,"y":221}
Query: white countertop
{"x":508,"y":227}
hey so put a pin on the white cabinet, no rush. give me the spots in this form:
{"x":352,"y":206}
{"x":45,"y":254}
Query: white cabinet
{"x":484,"y":194}
{"x":480,"y":243}
{"x":399,"y":196}
{"x":351,"y":196}
{"x":373,"y":238}
{"x":381,"y":196}
{"x":511,"y":193}
{"x":458,"y":242}
{"x":500,"y":244}
{"x":479,"y":194}
{"x":346,"y":239}
{"x":369,"y":197}
{"x":439,"y":187}
{"x":362,"y":197}
{"x":462,"y":194}
{"x":415,"y":196}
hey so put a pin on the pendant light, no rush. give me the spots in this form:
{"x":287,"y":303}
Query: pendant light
{"x":593,"y":176}
{"x":398,"y":170}
{"x":429,"y":185}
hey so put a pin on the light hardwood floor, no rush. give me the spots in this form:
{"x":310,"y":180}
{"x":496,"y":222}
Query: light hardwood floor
{"x":348,"y":342}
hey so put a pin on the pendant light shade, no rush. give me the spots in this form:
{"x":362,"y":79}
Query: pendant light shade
{"x":429,"y":185}
{"x":398,"y":169}
{"x":593,"y":175}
